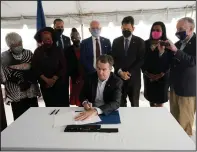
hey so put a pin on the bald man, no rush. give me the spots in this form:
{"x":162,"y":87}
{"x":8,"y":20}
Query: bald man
{"x":183,"y":75}
{"x":93,"y":47}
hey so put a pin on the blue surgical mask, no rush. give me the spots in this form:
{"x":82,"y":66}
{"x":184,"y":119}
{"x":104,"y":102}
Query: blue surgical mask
{"x":95,"y":32}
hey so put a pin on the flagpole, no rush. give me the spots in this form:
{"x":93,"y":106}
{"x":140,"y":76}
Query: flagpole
{"x":40,"y":20}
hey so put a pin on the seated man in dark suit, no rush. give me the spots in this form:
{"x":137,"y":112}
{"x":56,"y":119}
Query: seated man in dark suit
{"x":93,"y":47}
{"x":102,"y":90}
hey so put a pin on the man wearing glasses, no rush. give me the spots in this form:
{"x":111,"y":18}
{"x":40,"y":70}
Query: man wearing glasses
{"x":93,"y":47}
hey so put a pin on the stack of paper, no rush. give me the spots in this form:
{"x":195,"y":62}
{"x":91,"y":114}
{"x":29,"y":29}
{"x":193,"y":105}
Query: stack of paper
{"x":93,"y":119}
{"x":67,"y":118}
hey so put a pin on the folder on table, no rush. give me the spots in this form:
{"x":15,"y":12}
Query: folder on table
{"x":112,"y":118}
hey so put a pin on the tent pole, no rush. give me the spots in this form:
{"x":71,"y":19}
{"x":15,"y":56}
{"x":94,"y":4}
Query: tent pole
{"x":82,"y":31}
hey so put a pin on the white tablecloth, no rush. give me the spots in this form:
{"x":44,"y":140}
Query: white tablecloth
{"x":140,"y":129}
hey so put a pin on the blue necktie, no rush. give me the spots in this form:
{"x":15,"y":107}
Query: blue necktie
{"x":126,"y":46}
{"x":60,"y":43}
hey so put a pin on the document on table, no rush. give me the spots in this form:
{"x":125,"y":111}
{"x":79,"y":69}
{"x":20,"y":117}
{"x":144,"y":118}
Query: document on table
{"x":67,"y":118}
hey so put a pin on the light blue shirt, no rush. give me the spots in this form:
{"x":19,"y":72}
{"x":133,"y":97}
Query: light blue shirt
{"x":61,"y":41}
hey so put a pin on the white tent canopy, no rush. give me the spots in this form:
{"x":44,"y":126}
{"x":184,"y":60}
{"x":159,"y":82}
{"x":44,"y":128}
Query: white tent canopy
{"x":14,"y":14}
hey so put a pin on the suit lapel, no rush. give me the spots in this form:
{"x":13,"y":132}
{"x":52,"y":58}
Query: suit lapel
{"x":94,"y":87}
{"x":91,"y":46}
{"x":107,"y":85}
{"x":102,"y":45}
{"x":131,"y":42}
{"x":189,"y":44}
{"x":178,"y":45}
{"x":64,"y":40}
{"x":122,"y":45}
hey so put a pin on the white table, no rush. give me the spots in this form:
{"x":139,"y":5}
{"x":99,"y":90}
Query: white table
{"x":141,"y":129}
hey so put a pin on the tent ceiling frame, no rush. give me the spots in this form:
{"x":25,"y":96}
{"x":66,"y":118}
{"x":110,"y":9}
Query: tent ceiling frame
{"x":80,"y":12}
{"x":193,"y":7}
{"x":186,"y":10}
{"x":134,"y":12}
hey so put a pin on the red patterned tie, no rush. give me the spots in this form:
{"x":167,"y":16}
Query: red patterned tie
{"x":97,"y":48}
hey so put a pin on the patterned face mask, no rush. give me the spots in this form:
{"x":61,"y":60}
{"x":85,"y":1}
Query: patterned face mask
{"x":17,"y":50}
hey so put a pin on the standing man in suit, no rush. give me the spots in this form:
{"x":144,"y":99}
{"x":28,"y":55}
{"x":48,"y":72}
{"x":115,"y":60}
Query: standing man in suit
{"x":102,"y":90}
{"x":62,"y":41}
{"x":128,"y":52}
{"x":93,"y":47}
{"x":183,"y":75}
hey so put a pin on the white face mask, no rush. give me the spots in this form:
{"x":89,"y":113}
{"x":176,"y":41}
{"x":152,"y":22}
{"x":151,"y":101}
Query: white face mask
{"x":17,"y":50}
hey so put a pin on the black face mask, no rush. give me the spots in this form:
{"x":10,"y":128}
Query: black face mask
{"x":126,"y":33}
{"x":76,"y":43}
{"x":181,"y":35}
{"x":59,"y":31}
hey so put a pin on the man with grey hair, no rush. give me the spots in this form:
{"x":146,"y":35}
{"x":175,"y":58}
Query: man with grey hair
{"x":93,"y":47}
{"x":20,"y":84}
{"x":183,"y":75}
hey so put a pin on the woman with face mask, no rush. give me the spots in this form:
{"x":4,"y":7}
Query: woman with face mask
{"x":49,"y":66}
{"x":21,"y":86}
{"x":76,"y":70}
{"x":157,"y":66}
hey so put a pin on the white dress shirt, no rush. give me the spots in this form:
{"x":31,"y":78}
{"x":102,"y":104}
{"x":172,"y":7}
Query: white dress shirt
{"x":99,"y":96}
{"x":94,"y":49}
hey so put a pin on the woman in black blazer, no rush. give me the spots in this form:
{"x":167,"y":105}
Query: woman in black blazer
{"x":156,"y":66}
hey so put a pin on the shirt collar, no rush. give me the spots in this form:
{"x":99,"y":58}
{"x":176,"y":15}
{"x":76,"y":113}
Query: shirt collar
{"x":102,"y":81}
{"x":95,"y":38}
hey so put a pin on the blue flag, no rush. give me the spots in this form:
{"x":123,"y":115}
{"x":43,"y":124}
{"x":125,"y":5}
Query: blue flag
{"x":40,"y":16}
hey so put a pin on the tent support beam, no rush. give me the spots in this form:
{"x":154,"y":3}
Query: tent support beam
{"x":81,"y":14}
{"x":82,"y":32}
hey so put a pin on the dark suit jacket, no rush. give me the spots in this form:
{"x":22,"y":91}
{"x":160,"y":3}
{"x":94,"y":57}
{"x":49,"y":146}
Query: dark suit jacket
{"x":86,"y":56}
{"x":67,"y":42}
{"x":111,"y":95}
{"x":183,"y":71}
{"x":134,"y":59}
{"x":155,"y":64}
